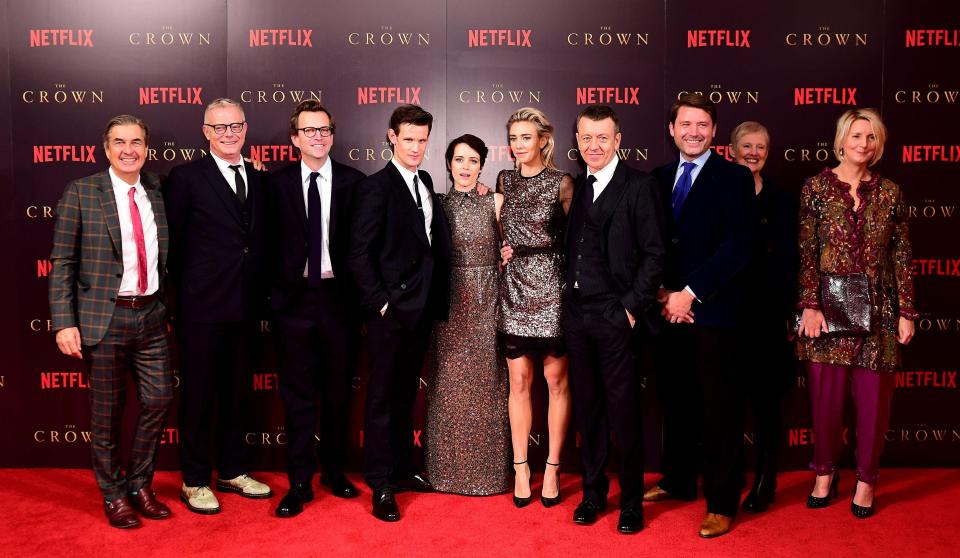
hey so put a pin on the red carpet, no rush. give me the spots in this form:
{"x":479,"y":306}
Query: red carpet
{"x":56,"y":512}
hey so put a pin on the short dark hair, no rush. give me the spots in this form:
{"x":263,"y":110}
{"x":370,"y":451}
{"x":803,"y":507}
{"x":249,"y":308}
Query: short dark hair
{"x":310,"y":105}
{"x":124,"y":120}
{"x":410,"y":114}
{"x":694,"y":100}
{"x":473,"y":142}
{"x":598,"y":113}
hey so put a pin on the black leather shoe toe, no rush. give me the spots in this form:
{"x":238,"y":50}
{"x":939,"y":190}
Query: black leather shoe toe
{"x":385,"y":506}
{"x":586,"y":512}
{"x":292,"y":503}
{"x":340,"y":486}
{"x":631,"y":521}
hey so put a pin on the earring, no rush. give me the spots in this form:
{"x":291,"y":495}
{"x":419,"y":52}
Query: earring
{"x":841,"y":153}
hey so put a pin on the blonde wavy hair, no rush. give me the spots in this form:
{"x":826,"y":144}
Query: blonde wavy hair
{"x":847,"y":119}
{"x":544,"y":130}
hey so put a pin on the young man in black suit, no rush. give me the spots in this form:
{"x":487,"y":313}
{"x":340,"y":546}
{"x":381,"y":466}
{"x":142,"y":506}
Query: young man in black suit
{"x":315,"y":310}
{"x":703,"y":296}
{"x":616,"y":253}
{"x":216,"y":211}
{"x":400,"y":261}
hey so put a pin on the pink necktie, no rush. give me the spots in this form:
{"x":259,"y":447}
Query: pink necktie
{"x":141,"y":244}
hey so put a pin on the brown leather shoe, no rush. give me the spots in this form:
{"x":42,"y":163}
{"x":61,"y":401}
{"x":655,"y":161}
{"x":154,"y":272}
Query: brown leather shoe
{"x":715,"y":525}
{"x":145,"y":502}
{"x":656,"y":494}
{"x":121,"y":514}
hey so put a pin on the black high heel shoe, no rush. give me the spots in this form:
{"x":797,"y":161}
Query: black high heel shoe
{"x":860,"y":512}
{"x":518,"y":501}
{"x":816,"y":502}
{"x":550,"y":502}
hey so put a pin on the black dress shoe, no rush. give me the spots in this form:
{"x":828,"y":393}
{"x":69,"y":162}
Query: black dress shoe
{"x":384,"y":506}
{"x":631,"y":521}
{"x":292,"y":503}
{"x":761,"y":495}
{"x":340,"y":486}
{"x":414,"y":483}
{"x":587,"y":511}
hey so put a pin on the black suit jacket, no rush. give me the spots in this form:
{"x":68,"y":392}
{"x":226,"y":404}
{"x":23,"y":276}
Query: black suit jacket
{"x":633,"y":227}
{"x":390,"y":258}
{"x":711,"y":240}
{"x":289,"y":241}
{"x":215,"y":263}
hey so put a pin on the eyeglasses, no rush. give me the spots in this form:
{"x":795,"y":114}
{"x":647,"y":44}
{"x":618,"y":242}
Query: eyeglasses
{"x":325,"y":131}
{"x":221,"y":129}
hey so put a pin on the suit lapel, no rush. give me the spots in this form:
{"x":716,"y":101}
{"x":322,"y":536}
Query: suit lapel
{"x":159,"y":216}
{"x":253,"y":194}
{"x":337,"y":191}
{"x":293,"y":188}
{"x":221,"y":188}
{"x":700,"y":185}
{"x":612,"y":194}
{"x":108,"y":204}
{"x":409,"y":204}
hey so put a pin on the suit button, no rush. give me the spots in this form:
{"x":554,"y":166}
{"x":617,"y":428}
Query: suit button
{"x":246,"y":250}
{"x":763,"y":220}
{"x":579,"y":257}
{"x":403,"y":286}
{"x":120,"y":275}
{"x":112,"y":299}
{"x":675,"y":240}
{"x":306,"y":244}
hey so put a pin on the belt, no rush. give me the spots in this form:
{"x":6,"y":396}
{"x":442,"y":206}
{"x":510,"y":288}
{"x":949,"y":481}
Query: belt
{"x":135,"y":302}
{"x":522,"y":251}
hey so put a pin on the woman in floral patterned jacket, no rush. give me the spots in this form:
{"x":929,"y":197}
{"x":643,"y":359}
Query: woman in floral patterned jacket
{"x":852,"y":220}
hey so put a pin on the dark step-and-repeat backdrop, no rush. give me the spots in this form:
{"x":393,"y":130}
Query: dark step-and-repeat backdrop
{"x":68,"y":66}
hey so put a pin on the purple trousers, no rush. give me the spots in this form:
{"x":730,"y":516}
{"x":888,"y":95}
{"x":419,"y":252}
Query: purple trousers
{"x":872,"y":391}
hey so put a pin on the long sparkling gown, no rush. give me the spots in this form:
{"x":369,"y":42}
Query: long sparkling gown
{"x":467,"y":430}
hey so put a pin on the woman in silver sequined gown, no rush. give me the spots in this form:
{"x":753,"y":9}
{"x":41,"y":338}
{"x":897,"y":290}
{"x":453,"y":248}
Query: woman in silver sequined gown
{"x":536,"y":200}
{"x":467,"y":441}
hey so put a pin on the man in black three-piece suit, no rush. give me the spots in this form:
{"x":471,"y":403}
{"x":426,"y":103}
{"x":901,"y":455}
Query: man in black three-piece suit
{"x":616,"y":253}
{"x":703,"y":297}
{"x":315,"y":310}
{"x":400,"y":261}
{"x":216,"y":207}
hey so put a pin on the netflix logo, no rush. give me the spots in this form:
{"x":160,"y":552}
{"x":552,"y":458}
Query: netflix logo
{"x":825,"y":96}
{"x":499,"y":153}
{"x":61,"y":37}
{"x":931,"y":153}
{"x":723,"y":151}
{"x":699,"y":38}
{"x":936,"y":267}
{"x":608,"y":95}
{"x":927,"y":379}
{"x":388,"y":95}
{"x":932,"y":37}
{"x":274,"y":153}
{"x":265,"y":381}
{"x":499,"y":38}
{"x":171,"y":96}
{"x":169,"y":436}
{"x":63,"y":154}
{"x":281,"y":37}
{"x":62,"y":380}
{"x":44,"y":267}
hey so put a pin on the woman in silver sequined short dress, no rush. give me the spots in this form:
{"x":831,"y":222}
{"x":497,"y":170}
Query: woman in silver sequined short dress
{"x":536,"y":200}
{"x":467,"y":437}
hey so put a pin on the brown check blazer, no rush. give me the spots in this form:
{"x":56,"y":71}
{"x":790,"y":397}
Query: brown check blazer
{"x":87,"y":257}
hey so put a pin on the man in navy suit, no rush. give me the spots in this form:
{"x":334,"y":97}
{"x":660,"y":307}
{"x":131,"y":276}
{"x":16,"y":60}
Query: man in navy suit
{"x":711,"y":205}
{"x":216,"y":211}
{"x":315,"y":312}
{"x":400,"y":260}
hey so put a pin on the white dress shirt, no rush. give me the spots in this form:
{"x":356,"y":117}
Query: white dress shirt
{"x":228,"y":173}
{"x":604,"y":176}
{"x":325,"y":186}
{"x":128,"y":243}
{"x":425,"y":198}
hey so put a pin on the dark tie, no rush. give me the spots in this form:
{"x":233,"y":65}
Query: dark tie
{"x":586,"y":199}
{"x":682,"y":189}
{"x":241,"y":185}
{"x":315,"y":227}
{"x":416,"y":195}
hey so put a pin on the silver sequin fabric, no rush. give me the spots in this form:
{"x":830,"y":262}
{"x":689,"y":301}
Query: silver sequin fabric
{"x":530,"y":290}
{"x":467,"y":429}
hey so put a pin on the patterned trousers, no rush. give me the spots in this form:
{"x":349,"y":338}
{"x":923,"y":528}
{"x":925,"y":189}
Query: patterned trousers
{"x":135,"y":343}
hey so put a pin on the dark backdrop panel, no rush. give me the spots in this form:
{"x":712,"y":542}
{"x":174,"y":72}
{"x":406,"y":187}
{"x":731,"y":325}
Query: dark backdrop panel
{"x":66,"y":67}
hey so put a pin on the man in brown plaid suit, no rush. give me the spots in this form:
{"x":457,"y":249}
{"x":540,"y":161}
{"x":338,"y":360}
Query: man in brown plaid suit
{"x":106,"y":300}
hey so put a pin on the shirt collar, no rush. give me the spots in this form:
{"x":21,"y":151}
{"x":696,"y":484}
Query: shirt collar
{"x":326,"y":171}
{"x":605,"y":174}
{"x":120,"y":184}
{"x":699,"y":161}
{"x":406,"y":174}
{"x":224,"y":165}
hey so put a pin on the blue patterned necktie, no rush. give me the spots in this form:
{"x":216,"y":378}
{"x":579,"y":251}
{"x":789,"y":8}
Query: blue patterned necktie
{"x":682,"y":188}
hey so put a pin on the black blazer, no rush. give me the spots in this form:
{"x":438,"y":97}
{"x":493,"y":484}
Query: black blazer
{"x":215,"y":263}
{"x":288,"y":241}
{"x":712,"y":239}
{"x":390,"y":258}
{"x":633,"y":227}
